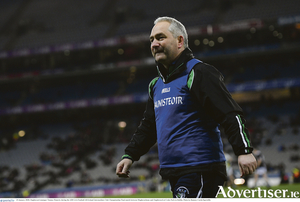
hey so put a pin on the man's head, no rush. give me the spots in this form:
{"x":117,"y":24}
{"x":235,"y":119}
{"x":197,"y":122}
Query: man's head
{"x":168,"y":39}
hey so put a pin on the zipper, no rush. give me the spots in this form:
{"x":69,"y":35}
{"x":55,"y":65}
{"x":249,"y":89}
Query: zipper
{"x":173,"y":72}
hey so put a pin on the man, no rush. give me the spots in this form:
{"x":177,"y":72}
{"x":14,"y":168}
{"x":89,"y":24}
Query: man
{"x":186,"y":104}
{"x":261,"y":167}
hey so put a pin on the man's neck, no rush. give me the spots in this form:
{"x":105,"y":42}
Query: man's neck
{"x":167,"y":66}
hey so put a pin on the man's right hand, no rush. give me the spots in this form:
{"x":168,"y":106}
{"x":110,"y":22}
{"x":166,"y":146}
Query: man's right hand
{"x":122,"y":169}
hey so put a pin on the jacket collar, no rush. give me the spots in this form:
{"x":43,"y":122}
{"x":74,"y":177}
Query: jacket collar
{"x":176,"y":68}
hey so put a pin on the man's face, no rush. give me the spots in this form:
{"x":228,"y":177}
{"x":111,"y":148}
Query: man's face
{"x":164,"y":47}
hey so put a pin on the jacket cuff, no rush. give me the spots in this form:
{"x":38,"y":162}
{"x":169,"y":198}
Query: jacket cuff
{"x":242,"y":151}
{"x":126,"y":156}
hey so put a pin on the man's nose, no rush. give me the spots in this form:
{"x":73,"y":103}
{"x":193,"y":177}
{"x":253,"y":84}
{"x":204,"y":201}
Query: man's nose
{"x":155,"y":44}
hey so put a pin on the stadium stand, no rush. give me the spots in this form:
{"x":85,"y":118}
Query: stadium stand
{"x":257,"y":9}
{"x":72,"y":70}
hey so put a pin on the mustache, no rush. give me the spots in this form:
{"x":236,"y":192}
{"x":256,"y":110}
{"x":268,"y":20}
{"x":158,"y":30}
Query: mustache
{"x":158,"y":50}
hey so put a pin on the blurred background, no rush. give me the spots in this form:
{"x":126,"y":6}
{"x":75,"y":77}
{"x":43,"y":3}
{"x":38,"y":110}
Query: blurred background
{"x":74,"y":78}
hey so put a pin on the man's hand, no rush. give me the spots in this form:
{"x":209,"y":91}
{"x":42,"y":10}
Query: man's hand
{"x":123,"y":166}
{"x":247,"y":164}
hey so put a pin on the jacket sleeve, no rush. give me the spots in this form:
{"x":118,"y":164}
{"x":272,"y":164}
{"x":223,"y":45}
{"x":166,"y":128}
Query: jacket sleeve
{"x":209,"y":88}
{"x":145,"y":135}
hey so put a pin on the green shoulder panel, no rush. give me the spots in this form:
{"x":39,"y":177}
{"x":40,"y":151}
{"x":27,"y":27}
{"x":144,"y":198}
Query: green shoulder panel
{"x":190,"y":79}
{"x":151,"y":84}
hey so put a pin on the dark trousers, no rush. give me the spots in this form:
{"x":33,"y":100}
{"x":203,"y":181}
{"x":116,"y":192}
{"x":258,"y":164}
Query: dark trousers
{"x":196,"y":185}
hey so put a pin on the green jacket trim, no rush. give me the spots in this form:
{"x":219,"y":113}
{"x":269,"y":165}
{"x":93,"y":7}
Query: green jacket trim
{"x":191,"y":79}
{"x":151,"y":84}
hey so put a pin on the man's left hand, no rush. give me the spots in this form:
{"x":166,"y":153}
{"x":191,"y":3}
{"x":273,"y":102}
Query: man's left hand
{"x":247,"y":164}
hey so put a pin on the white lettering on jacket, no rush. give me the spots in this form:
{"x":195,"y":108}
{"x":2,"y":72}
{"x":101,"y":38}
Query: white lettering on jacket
{"x":168,"y":101}
{"x":166,"y":90}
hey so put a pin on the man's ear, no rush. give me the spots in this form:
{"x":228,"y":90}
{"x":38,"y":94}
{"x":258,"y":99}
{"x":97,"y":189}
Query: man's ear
{"x":180,"y":41}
